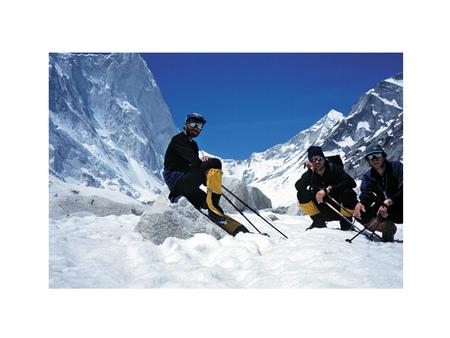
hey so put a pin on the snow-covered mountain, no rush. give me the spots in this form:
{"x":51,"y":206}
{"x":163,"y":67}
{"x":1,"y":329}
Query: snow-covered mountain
{"x":377,"y":117}
{"x":275,"y":170}
{"x":109,"y":127}
{"x":108,"y":123}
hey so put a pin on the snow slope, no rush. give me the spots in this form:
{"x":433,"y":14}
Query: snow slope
{"x":106,"y":252}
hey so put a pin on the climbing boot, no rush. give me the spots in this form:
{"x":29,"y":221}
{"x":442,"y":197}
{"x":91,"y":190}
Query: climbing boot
{"x":388,"y":230}
{"x":346,"y":226}
{"x":318,"y":222}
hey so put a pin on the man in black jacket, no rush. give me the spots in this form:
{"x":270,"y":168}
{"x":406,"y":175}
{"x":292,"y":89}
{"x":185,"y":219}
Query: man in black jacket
{"x":321,"y":179}
{"x":381,"y":193}
{"x":184,"y":172}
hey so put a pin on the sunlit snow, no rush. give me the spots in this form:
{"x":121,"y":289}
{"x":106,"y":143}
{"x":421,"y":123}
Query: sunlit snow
{"x":106,"y":252}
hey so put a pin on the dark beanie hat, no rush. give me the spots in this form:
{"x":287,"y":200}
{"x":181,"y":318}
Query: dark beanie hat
{"x":315,"y":151}
{"x":375,"y":149}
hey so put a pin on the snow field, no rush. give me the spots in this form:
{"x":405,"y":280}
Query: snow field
{"x":106,"y":252}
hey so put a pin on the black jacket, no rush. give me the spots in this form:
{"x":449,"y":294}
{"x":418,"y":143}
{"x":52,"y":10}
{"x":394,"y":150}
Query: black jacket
{"x":334,"y":176}
{"x":376,"y":188}
{"x":182,"y":154}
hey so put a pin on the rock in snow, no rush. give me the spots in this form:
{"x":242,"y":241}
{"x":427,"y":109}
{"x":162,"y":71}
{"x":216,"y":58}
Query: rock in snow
{"x":181,"y":220}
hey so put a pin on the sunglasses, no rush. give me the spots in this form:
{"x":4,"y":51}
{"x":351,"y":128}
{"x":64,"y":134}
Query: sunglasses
{"x":372,"y":156}
{"x":193,"y":124}
{"x":316,"y":159}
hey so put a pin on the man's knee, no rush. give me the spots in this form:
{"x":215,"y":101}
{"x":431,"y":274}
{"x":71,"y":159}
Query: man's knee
{"x":396,"y":215}
{"x":367,"y":216}
{"x":305,"y":197}
{"x":349,"y":198}
{"x":212,"y":163}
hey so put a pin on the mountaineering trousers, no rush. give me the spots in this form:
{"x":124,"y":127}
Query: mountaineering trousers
{"x":395,"y":212}
{"x":387,"y":227}
{"x":309,"y":205}
{"x":208,"y":173}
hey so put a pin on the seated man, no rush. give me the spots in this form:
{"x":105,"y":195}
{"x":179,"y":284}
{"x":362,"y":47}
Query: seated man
{"x":321,"y":179}
{"x":184,"y":172}
{"x":381,"y":194}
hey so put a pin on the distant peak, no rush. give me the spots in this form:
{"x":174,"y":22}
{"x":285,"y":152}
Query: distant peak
{"x":328,"y":121}
{"x":335,"y":115}
{"x":396,"y":79}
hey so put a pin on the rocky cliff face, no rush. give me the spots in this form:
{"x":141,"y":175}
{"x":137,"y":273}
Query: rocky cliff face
{"x":108,"y":123}
{"x":376,"y":118}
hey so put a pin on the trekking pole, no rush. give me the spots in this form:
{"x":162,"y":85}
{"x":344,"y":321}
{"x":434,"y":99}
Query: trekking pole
{"x":348,"y":221}
{"x":339,"y":214}
{"x":375,"y":222}
{"x":256,"y":212}
{"x":350,"y":211}
{"x":337,"y":203}
{"x":242,"y":214}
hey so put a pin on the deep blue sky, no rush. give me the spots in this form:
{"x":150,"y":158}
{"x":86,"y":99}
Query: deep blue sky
{"x":253,"y":101}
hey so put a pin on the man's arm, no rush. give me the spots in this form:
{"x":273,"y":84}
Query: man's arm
{"x":368,"y":193}
{"x":302,"y":184}
{"x":398,"y":174}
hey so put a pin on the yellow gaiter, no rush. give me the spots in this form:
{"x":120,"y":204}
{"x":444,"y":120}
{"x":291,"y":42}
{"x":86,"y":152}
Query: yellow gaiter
{"x":214,"y":185}
{"x":309,"y":208}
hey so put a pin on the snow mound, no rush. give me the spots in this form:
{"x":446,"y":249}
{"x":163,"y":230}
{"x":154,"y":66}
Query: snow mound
{"x":181,"y":220}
